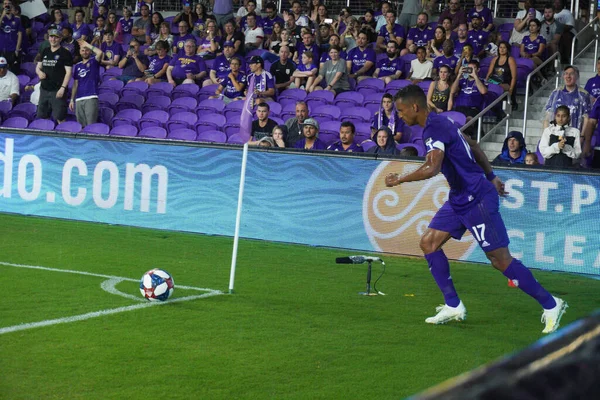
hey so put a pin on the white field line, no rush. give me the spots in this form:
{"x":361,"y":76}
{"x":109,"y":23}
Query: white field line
{"x":112,"y":280}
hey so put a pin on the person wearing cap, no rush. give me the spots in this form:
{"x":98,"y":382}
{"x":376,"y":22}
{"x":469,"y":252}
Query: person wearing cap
{"x":310,"y":140}
{"x":9,"y":83}
{"x":222,"y":65}
{"x":513,"y":150}
{"x":254,"y":34}
{"x":232,"y":86}
{"x":477,"y":37}
{"x":418,"y":35}
{"x":54,"y":70}
{"x":260,"y":82}
{"x":487,"y":19}
{"x":232,"y":35}
{"x":11,"y":37}
{"x":86,"y":75}
{"x":346,"y":142}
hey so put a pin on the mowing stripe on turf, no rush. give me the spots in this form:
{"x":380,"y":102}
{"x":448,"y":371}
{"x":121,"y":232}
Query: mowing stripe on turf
{"x":107,"y":285}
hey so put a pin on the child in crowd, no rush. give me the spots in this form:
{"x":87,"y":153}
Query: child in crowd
{"x":560,"y":144}
{"x":491,"y":49}
{"x":306,"y":72}
{"x":531,"y":159}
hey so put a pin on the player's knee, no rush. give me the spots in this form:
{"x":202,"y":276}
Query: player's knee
{"x":426,"y":244}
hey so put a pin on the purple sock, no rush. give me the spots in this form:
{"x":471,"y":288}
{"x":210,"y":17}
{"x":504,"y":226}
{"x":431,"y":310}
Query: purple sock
{"x":525,"y":281}
{"x":440,"y":269}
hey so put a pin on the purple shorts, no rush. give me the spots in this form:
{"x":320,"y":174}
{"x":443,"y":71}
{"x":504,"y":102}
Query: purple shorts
{"x":483,"y":220}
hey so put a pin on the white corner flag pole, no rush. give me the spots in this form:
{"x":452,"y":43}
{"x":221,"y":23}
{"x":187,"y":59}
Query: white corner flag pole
{"x":236,"y":235}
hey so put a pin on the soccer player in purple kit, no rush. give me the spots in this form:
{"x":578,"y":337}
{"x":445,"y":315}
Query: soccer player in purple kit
{"x":84,"y":95}
{"x":473,"y":204}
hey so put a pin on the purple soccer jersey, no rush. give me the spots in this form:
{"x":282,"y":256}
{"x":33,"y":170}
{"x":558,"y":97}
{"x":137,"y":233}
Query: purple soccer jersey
{"x":264,"y":81}
{"x":180,"y":43}
{"x":87,"y":74}
{"x":126,"y":24}
{"x":111,"y":51}
{"x":353,"y":148}
{"x":485,"y":15}
{"x":359,"y":57}
{"x":301,"y":48}
{"x":81,"y":30}
{"x":9,"y":33}
{"x":304,"y":68}
{"x":398,"y":32}
{"x":222,"y":68}
{"x":267,"y":24}
{"x":477,"y":39}
{"x":593,"y":86}
{"x":443,"y":60}
{"x":229,"y":89}
{"x":317,"y":145}
{"x":533,"y":46}
{"x":183,"y":65}
{"x":389,"y":67}
{"x":578,"y":101}
{"x":157,"y":63}
{"x":458,"y":47}
{"x":465,"y":177}
{"x":420,"y":37}
{"x":469,"y":95}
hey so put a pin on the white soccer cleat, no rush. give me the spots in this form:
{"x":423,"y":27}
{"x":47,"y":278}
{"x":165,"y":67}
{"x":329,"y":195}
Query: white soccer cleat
{"x":446,"y":313}
{"x":552,"y":317}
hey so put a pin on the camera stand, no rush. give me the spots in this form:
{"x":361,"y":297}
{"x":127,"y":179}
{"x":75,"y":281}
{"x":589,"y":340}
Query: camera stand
{"x":368,"y":291}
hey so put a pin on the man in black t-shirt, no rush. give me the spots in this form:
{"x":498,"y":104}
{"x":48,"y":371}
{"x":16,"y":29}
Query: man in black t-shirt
{"x":283,"y":69}
{"x":54,"y":71}
{"x":263,"y":126}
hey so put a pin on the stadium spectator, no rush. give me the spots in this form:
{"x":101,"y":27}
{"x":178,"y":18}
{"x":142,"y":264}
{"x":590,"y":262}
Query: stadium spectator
{"x":591,"y":155}
{"x":384,"y":143}
{"x":154,"y":28}
{"x":438,"y":94}
{"x":264,"y":83}
{"x":450,"y":34}
{"x":221,"y":66}
{"x":346,"y":142}
{"x":448,"y":58}
{"x":268,"y":22}
{"x":199,"y":19}
{"x":477,"y":37}
{"x":469,"y":91}
{"x":294,"y":124}
{"x":418,"y":36}
{"x":278,"y":135}
{"x":179,"y":42}
{"x":391,"y":31}
{"x":310,"y":140}
{"x":263,"y":125}
{"x":465,"y":58}
{"x":592,"y":86}
{"x":140,"y":26}
{"x":222,"y":10}
{"x":560,"y":143}
{"x":186,"y":14}
{"x":133,"y":63}
{"x":564,"y":16}
{"x":111,"y":22}
{"x":11,"y":37}
{"x":158,"y":65}
{"x":410,"y":13}
{"x":313,"y":10}
{"x":186,"y":68}
{"x":100,"y":9}
{"x":487,"y":19}
{"x":9,"y":83}
{"x":81,"y":30}
{"x":334,"y":40}
{"x":420,"y":68}
{"x":70,"y":44}
{"x":391,"y":67}
{"x":283,"y":70}
{"x":254,"y":34}
{"x":86,"y":75}
{"x":455,"y":13}
{"x":58,"y":20}
{"x":163,"y":35}
{"x":242,"y":11}
{"x":521,"y":25}
{"x":274,"y":38}
{"x":54,"y":70}
{"x":232,"y":35}
{"x":73,"y":6}
{"x":334,"y":72}
{"x":531,"y":159}
{"x":290,"y":24}
{"x":139,"y":4}
{"x":251,"y":7}
{"x":299,"y":18}
{"x":461,"y":39}
{"x":306,"y":73}
{"x":367,"y":24}
{"x":361,"y":59}
{"x":232,"y":86}
{"x":514,"y":150}
{"x":387,"y":117}
{"x":435,"y":47}
{"x":552,"y":30}
{"x":571,"y":95}
{"x":322,"y":15}
{"x":533,"y":47}
{"x":124,"y":26}
{"x":307,"y":44}
{"x":111,"y":50}
{"x":27,"y":29}
{"x":503,"y":72}
{"x":380,"y":15}
{"x":98,"y":32}
{"x":209,"y":44}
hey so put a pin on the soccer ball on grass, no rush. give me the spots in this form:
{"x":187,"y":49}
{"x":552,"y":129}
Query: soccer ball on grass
{"x":157,"y":284}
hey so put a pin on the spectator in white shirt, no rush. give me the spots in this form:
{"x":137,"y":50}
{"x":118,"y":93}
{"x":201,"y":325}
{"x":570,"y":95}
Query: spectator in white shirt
{"x":420,"y":68}
{"x":9,"y":83}
{"x":254,"y":34}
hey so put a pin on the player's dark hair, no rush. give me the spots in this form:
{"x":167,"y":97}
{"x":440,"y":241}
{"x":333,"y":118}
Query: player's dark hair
{"x":348,"y":124}
{"x":412,"y":94}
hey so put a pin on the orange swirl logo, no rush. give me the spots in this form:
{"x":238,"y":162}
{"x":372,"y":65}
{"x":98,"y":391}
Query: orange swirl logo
{"x":395,"y":218}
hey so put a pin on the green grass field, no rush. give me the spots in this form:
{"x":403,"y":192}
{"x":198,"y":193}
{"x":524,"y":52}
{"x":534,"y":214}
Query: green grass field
{"x":295,"y":327}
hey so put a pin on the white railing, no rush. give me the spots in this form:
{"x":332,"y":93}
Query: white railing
{"x":479,"y":117}
{"x":594,"y":26}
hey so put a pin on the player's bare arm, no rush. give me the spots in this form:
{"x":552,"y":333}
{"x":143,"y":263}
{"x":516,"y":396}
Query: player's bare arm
{"x":430,"y":168}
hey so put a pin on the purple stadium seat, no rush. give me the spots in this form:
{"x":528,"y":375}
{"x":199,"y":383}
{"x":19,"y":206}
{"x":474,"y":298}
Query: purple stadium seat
{"x":231,"y":129}
{"x":278,"y":120}
{"x":185,"y":90}
{"x":155,"y":132}
{"x":23,"y":81}
{"x":322,"y":118}
{"x":111,"y":73}
{"x":424,"y":85}
{"x":293,"y":94}
{"x":356,"y":114}
{"x":237,"y":139}
{"x":15,"y":122}
{"x":126,"y":117}
{"x":98,"y":128}
{"x":182,"y":120}
{"x":407,"y":58}
{"x":182,"y":104}
{"x":28,"y":68}
{"x":124,"y":130}
{"x":211,"y":137}
{"x":182,"y":134}
{"x":207,"y":91}
{"x":106,"y":115}
{"x":332,"y":112}
{"x":110,"y":86}
{"x":363,"y":128}
{"x":349,"y":99}
{"x":136,"y":87}
{"x":496,"y":89}
{"x":233,"y":118}
{"x":156,"y":102}
{"x":329,"y":137}
{"x":108,"y":99}
{"x":5,"y":107}
{"x":211,"y":121}
{"x":134,"y":101}
{"x":319,"y":97}
{"x":210,"y":106}
{"x":371,"y":83}
{"x":42,"y":124}
{"x":69,"y":126}
{"x":154,"y":118}
{"x":159,"y":89}
{"x":330,"y":127}
{"x":235,"y":107}
{"x":367,"y":144}
{"x":275,"y":109}
{"x":25,"y":110}
{"x":416,"y":134}
{"x":515,"y":52}
{"x":396,"y":85}
{"x":458,"y":118}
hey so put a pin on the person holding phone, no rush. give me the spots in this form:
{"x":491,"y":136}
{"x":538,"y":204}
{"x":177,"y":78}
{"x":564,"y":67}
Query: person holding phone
{"x":524,"y":16}
{"x":466,"y":93}
{"x":133,"y":63}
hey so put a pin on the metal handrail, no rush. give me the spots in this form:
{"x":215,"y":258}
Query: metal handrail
{"x":595,"y":41}
{"x":478,"y":118}
{"x":554,"y":57}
